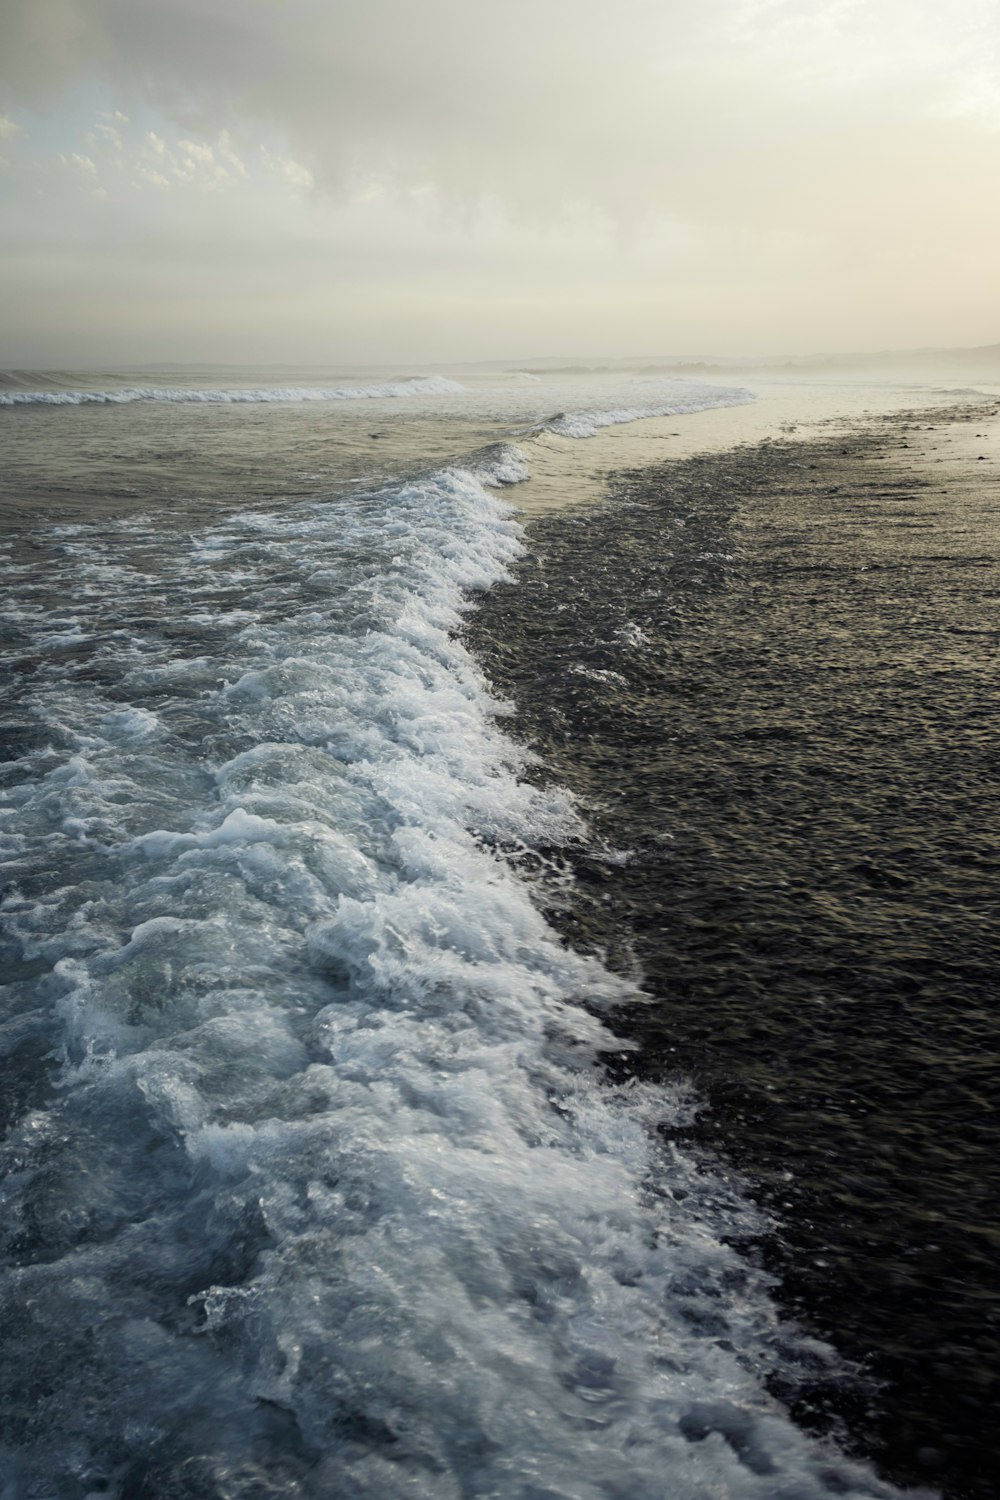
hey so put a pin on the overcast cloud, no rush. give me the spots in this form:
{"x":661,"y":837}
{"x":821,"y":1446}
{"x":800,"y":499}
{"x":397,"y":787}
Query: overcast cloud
{"x":428,"y":179}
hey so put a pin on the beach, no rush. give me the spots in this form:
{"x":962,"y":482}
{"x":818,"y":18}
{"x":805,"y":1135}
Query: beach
{"x":785,"y":728}
{"x":498,"y":939}
{"x":500,"y":751}
{"x":566,"y":473}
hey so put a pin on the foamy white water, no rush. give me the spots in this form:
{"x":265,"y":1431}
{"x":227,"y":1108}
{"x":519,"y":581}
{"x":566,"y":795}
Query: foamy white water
{"x":317,"y":1187}
{"x":428,"y":385}
{"x":587,"y":422}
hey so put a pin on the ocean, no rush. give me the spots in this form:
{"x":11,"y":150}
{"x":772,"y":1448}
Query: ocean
{"x":343,"y":1152}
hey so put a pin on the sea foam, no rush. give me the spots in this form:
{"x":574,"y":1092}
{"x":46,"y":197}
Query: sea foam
{"x":585,"y":423}
{"x":429,"y":385}
{"x":328,"y":1194}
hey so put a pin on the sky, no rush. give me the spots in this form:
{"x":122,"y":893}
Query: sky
{"x":345,"y":182}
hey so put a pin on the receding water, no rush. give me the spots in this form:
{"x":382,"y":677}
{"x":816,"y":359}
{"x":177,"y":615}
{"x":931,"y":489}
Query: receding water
{"x":314,"y":1182}
{"x":771,"y":677}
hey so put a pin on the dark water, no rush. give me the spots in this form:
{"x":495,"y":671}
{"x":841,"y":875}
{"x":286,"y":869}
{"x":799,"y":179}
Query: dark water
{"x":771,"y":678}
{"x":314,"y":1183}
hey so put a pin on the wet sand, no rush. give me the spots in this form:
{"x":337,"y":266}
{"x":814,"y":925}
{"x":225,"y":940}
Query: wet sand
{"x":567,"y":472}
{"x":787,"y":713}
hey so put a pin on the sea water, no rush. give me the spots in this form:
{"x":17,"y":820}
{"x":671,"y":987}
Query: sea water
{"x":313,"y":1183}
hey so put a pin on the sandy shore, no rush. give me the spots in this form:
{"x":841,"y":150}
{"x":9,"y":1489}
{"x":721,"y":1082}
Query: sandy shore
{"x":571,"y":472}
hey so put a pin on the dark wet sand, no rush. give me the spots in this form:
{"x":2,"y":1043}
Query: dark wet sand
{"x":789,"y":714}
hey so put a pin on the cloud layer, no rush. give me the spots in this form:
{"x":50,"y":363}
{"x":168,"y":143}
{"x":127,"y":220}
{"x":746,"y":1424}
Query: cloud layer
{"x":750,"y":146}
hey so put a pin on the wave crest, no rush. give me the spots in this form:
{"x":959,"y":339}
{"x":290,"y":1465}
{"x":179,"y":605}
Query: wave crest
{"x":423,"y":385}
{"x":584,"y":424}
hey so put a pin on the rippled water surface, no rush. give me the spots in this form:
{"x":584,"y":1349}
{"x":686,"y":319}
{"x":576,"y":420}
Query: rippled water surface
{"x":313,"y":1181}
{"x":771,"y":676}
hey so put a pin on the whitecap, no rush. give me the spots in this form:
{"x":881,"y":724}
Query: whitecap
{"x":424,"y":385}
{"x":329,"y":1194}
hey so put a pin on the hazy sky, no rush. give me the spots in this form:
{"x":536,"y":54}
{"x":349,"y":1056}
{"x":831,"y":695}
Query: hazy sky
{"x":425,"y":180}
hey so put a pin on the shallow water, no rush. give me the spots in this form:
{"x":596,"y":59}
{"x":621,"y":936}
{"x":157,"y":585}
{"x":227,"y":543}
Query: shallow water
{"x":771,"y":678}
{"x":313,"y":1180}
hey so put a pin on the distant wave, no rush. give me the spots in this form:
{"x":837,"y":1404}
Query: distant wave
{"x":584,"y":424}
{"x":430,"y":385}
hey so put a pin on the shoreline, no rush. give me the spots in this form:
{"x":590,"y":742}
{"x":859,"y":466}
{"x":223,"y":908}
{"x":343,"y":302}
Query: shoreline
{"x":569,"y":473}
{"x":786,"y":711}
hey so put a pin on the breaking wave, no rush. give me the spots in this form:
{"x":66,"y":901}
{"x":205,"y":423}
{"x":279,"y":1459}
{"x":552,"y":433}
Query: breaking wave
{"x":430,"y":385}
{"x":319,"y":1188}
{"x":584,"y":423}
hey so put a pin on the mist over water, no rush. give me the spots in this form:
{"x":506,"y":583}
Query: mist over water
{"x":313,"y":1181}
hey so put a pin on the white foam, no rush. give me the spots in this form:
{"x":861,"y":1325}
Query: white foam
{"x":330,"y":1197}
{"x":428,"y":385}
{"x":72,"y":637}
{"x":501,"y":465}
{"x":678,"y":399}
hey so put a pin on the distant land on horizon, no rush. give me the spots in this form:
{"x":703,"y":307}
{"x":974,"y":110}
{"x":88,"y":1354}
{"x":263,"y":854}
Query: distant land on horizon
{"x":982,"y":360}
